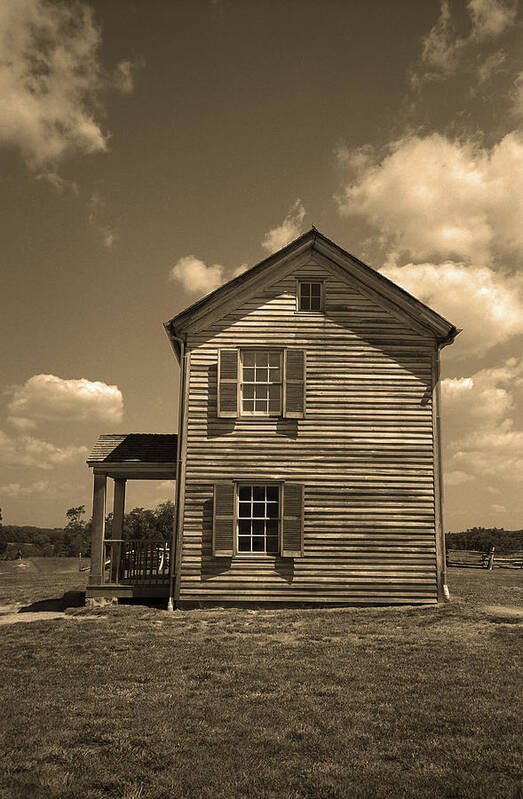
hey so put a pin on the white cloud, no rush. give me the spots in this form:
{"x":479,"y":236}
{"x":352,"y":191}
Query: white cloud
{"x":491,"y":453}
{"x":442,"y":49}
{"x":479,"y":435}
{"x":517,"y":96}
{"x":456,"y":478}
{"x":486,"y":398}
{"x":240,"y":270}
{"x":491,"y":17}
{"x":47,"y":397}
{"x":436,"y":197}
{"x":57,"y":182}
{"x":195,"y":276}
{"x":290,"y":228}
{"x":486,"y":304}
{"x":490,"y":65}
{"x":13,"y":490}
{"x":96,"y":208}
{"x":123,"y":79}
{"x":28,"y":451}
{"x":50,"y":79}
{"x":21,"y":423}
{"x":498,"y":508}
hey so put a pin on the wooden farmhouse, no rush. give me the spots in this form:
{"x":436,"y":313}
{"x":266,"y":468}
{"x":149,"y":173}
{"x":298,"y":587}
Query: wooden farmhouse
{"x":307,"y":460}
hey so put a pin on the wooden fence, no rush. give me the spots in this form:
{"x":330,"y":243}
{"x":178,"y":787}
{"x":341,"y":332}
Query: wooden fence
{"x":470,"y":558}
{"x":514,"y":560}
{"x":473,"y":558}
{"x":137,"y":561}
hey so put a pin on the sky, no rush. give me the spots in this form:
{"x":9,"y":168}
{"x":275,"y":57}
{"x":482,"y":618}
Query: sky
{"x":150,"y":151}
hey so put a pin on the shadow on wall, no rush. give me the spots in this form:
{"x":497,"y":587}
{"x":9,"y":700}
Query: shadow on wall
{"x":212,"y":567}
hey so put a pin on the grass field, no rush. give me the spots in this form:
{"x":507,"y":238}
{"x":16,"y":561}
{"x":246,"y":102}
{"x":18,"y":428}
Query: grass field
{"x":135,"y":703}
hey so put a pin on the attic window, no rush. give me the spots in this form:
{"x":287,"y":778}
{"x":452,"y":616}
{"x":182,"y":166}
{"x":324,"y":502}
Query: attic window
{"x":310,"y":297}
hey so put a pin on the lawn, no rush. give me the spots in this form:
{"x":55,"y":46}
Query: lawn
{"x":135,"y":703}
{"x":37,"y":579}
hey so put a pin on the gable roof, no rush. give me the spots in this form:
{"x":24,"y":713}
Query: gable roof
{"x":134,"y":448}
{"x":421,"y":314}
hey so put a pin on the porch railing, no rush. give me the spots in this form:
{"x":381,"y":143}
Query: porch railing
{"x":136,"y":561}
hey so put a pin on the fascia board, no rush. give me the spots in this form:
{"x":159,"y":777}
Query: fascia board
{"x":237,"y":295}
{"x":354,"y":282}
{"x":257,"y":273}
{"x":382,"y":286}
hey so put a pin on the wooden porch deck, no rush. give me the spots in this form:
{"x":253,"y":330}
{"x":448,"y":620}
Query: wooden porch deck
{"x":133,"y":569}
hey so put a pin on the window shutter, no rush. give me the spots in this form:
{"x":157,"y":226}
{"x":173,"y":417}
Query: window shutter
{"x":223,"y":520}
{"x":228,"y":383}
{"x":292,"y":521}
{"x":295,"y":384}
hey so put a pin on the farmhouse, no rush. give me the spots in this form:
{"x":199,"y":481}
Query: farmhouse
{"x":307,"y":461}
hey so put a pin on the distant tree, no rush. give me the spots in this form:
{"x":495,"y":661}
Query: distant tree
{"x":3,"y":537}
{"x":75,"y":539}
{"x":140,"y":524}
{"x":164,"y":514}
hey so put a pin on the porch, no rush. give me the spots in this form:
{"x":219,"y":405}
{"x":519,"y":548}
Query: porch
{"x":119,"y":567}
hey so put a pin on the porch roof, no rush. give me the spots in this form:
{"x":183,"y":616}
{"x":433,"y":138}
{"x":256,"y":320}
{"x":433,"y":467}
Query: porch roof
{"x":135,"y":455}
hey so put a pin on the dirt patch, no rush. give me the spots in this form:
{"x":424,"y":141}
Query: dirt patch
{"x":510,"y":614}
{"x":14,"y":618}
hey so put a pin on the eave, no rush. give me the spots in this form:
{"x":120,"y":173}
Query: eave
{"x":314,"y":241}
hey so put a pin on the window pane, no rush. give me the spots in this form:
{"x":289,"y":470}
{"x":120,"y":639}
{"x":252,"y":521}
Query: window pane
{"x":258,"y":493}
{"x":274,"y":359}
{"x":248,"y":405}
{"x":248,"y":358}
{"x":305,"y":289}
{"x":272,"y":526}
{"x":244,"y":492}
{"x":244,"y":543}
{"x":258,"y":544}
{"x":261,"y":392}
{"x":258,"y":509}
{"x":275,"y":375}
{"x":262,"y":375}
{"x":245,"y":510}
{"x":272,"y":544}
{"x":248,"y":391}
{"x":262,"y":358}
{"x":272,"y":509}
{"x":244,"y":526}
{"x":273,"y":493}
{"x":315,"y":304}
{"x":261,"y":406}
{"x":258,"y":527}
{"x":274,"y":392}
{"x":315,"y":289}
{"x":248,"y":375}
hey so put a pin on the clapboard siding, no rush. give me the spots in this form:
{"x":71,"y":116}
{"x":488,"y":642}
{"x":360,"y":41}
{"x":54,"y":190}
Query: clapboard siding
{"x":364,"y":453}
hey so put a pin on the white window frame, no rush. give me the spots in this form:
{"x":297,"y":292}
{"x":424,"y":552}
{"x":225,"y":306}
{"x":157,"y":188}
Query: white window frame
{"x":257,"y":484}
{"x":241,"y":382}
{"x":315,"y":281}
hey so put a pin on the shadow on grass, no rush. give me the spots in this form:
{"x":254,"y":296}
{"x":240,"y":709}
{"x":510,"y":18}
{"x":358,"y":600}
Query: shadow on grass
{"x":70,"y":599}
{"x":149,"y":602}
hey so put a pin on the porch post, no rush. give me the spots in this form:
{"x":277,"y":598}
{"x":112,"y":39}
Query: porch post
{"x":97,"y":535}
{"x":118,"y":514}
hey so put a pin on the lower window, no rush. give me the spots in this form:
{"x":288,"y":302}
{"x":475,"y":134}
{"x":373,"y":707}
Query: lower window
{"x":258,"y":518}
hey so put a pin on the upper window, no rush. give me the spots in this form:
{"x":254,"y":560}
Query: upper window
{"x":261,"y":382}
{"x":310,"y":295}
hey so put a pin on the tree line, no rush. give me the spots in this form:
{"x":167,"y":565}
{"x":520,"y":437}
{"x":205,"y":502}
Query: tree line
{"x":75,"y":537}
{"x":156,"y":525}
